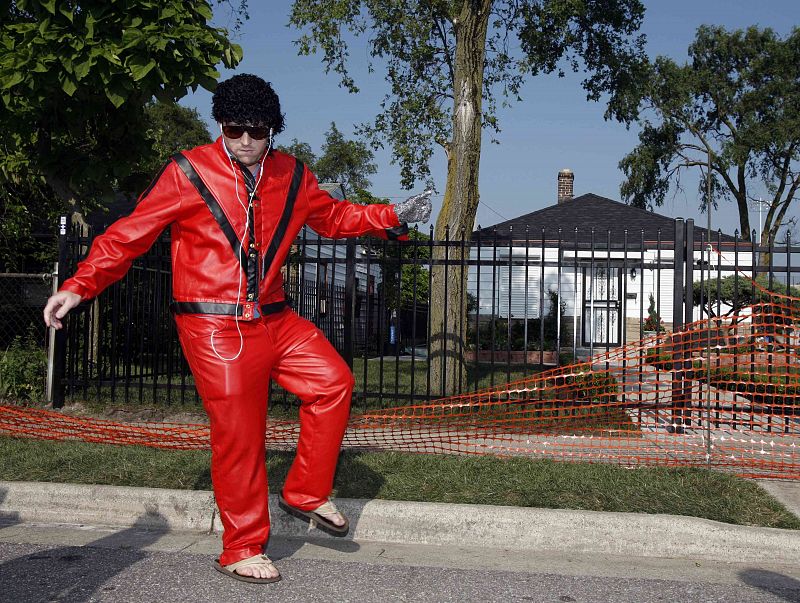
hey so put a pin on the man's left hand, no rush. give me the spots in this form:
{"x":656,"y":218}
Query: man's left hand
{"x":415,"y":209}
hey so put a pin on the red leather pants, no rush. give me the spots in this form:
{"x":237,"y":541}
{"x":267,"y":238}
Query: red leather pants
{"x":296,"y":354}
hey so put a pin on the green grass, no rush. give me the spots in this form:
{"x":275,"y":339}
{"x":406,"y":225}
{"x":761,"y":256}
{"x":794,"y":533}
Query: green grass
{"x":419,"y":477}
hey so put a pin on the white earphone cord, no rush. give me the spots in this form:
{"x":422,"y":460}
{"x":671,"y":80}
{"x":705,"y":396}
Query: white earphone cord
{"x":242,"y":243}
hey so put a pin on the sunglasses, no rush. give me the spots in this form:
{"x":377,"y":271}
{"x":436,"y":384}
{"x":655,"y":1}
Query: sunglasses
{"x":255,"y":132}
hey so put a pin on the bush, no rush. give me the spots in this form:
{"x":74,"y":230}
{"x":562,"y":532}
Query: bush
{"x":23,"y":369}
{"x":653,"y":322}
{"x":499,"y":339}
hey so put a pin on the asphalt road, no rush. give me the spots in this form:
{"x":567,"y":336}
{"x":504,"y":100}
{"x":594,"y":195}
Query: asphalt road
{"x":48,"y":563}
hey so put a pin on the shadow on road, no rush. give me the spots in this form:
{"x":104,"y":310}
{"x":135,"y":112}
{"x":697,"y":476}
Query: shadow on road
{"x":76,"y":573}
{"x":7,"y":518}
{"x":785,"y":587}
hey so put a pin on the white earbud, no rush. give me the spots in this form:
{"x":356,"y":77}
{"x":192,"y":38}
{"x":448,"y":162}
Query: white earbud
{"x":242,"y":243}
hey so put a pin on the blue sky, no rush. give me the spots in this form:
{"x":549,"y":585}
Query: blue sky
{"x":554,"y":126}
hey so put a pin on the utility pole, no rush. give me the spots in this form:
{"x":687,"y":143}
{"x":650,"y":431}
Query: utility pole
{"x":708,"y":330}
{"x":758,"y":203}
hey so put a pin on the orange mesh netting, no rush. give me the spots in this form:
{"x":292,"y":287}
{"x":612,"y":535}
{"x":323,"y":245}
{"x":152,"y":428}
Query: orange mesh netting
{"x":723,"y":393}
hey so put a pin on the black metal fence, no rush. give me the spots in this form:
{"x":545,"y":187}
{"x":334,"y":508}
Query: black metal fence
{"x":535,"y":300}
{"x":24,"y":341}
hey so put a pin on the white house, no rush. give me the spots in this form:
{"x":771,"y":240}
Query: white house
{"x":602,"y":257}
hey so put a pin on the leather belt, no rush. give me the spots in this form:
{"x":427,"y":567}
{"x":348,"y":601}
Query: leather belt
{"x":244,"y":309}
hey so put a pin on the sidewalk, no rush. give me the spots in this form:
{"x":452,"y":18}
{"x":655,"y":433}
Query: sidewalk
{"x":510,"y":528}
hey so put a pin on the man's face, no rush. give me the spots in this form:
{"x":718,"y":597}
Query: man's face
{"x":246,"y":149}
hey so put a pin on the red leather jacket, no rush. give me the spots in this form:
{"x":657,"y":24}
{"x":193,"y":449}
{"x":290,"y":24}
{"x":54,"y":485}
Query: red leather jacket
{"x":205,"y":266}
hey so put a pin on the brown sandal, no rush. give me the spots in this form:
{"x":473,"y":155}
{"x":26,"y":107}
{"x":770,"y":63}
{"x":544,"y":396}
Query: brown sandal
{"x":322,"y":522}
{"x":230,"y":570}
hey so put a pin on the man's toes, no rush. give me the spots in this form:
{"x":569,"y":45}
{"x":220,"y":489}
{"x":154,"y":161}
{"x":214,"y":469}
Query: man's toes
{"x":248,"y":570}
{"x":258,"y":571}
{"x":334,"y":518}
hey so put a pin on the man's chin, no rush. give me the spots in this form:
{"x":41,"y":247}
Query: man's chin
{"x":248,"y":159}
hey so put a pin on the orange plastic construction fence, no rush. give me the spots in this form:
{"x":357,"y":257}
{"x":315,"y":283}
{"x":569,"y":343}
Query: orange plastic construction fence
{"x":723,"y":393}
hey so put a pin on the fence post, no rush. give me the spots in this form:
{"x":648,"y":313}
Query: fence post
{"x":349,"y":300}
{"x":51,"y":341}
{"x":59,"y":354}
{"x":678,"y":347}
{"x":688,"y":280}
{"x":677,"y":288}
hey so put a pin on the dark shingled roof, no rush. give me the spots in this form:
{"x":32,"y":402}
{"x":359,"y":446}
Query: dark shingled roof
{"x":584,"y":213}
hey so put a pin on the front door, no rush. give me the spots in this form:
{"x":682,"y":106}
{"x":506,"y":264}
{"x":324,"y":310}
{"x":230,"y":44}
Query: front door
{"x":602,"y":308}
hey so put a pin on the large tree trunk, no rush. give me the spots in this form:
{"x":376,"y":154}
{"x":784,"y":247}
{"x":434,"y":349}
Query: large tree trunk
{"x":457,"y":216}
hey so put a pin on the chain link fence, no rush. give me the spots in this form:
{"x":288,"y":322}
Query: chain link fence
{"x":24,"y":339}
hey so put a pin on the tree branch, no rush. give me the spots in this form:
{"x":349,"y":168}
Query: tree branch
{"x":448,"y":59}
{"x":786,"y":203}
{"x":783,"y":172}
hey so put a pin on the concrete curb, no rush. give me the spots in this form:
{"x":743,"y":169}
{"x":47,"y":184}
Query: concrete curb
{"x":510,"y":528}
{"x":45,"y":502}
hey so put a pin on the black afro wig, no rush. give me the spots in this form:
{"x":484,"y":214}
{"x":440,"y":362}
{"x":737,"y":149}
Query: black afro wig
{"x":247,"y":99}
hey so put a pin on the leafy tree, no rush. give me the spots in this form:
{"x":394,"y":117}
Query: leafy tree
{"x":731,"y":294}
{"x":349,"y":162}
{"x":411,"y":284}
{"x":303,"y":151}
{"x":737,"y":99}
{"x":75,"y":78}
{"x":447,"y":63}
{"x":171,"y":128}
{"x":29,"y":212}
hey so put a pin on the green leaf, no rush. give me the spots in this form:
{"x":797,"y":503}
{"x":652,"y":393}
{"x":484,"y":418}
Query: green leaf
{"x":116,"y":99}
{"x":204,"y":10}
{"x":49,"y":6}
{"x":68,"y":13}
{"x":69,"y":86}
{"x":67,"y":63}
{"x":82,"y":69}
{"x":131,"y":37}
{"x":238,"y":53}
{"x":140,"y":69}
{"x":14,"y":79}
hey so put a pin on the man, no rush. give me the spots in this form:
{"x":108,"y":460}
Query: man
{"x":234,"y":208}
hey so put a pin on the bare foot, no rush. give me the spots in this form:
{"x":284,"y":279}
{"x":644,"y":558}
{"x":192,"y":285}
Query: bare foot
{"x":258,"y":568}
{"x":329,"y":511}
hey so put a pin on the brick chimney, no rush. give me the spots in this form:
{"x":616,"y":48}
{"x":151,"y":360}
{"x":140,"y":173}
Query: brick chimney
{"x":565,"y":185}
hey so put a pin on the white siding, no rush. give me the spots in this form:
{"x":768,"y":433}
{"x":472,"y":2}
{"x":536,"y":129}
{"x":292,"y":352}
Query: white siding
{"x":492,"y":287}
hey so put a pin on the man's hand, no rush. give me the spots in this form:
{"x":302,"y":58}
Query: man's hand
{"x":57,"y":307}
{"x":415,"y":209}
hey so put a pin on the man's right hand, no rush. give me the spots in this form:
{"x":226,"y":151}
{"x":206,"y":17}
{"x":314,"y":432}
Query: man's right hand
{"x":57,"y":307}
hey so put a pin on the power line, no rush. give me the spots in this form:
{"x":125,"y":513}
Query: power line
{"x":490,"y":208}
